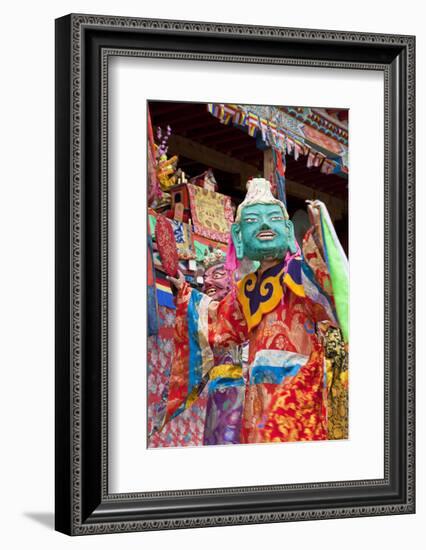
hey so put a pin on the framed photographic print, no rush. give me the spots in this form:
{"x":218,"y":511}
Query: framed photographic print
{"x":234,"y":274}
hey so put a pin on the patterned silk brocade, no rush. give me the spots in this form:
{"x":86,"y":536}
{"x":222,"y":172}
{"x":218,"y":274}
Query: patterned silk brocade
{"x":296,"y":387}
{"x":317,"y":264}
{"x":188,"y":428}
{"x":297,"y":411}
{"x":223,"y":416}
{"x":211,"y":213}
{"x":195,"y":365}
{"x":179,"y":378}
{"x":337,"y":383}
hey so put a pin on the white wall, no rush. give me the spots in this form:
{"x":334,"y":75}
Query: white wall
{"x":27,"y":267}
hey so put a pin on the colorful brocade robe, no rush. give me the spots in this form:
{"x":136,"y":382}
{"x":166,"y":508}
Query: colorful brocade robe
{"x":277,"y":312}
{"x":196,"y":365}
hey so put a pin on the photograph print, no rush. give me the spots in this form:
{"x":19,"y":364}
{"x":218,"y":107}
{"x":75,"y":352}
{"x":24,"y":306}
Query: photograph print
{"x":248,"y":277}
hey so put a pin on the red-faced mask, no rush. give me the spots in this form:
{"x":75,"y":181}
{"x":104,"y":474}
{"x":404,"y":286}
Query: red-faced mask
{"x":217,"y":282}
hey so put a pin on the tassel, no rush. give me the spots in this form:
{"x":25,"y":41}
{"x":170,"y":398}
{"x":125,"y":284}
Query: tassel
{"x":231,"y":263}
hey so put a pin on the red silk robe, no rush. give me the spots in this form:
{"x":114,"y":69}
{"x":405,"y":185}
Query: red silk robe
{"x":277,"y":313}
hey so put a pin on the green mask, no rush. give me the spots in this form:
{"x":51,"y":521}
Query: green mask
{"x":263,"y":233}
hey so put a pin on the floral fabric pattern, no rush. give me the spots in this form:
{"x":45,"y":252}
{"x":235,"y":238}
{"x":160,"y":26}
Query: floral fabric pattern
{"x":188,"y":428}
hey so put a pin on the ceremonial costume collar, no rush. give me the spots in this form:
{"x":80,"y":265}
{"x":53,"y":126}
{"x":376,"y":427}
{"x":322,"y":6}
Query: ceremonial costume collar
{"x":260,"y":294}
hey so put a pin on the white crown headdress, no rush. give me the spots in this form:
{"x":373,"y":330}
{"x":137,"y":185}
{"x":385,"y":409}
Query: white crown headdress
{"x":259,"y":192}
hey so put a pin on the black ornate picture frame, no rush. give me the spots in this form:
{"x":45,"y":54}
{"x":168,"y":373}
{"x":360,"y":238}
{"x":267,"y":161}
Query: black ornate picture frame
{"x":84,"y":43}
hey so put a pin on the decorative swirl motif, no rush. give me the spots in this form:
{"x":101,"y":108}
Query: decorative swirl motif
{"x":259,"y":295}
{"x":265,"y":289}
{"x":259,"y":290}
{"x":250,"y":283}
